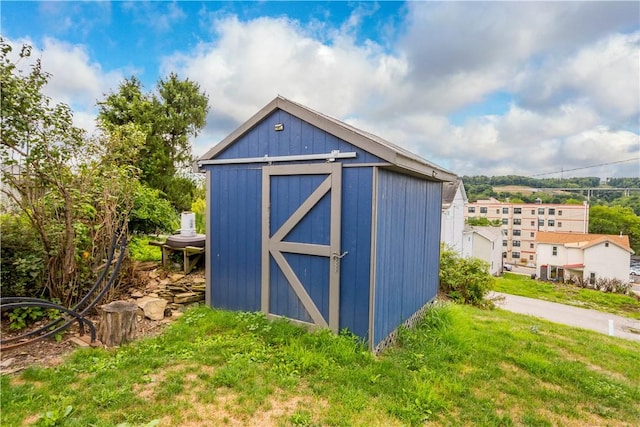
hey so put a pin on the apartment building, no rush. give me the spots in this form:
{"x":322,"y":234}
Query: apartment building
{"x":521,"y":222}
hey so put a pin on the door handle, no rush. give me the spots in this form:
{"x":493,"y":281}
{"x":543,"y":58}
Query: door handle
{"x":336,"y":259}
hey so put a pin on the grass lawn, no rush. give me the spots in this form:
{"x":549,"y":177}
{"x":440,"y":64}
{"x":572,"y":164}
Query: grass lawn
{"x":460,"y":366}
{"x":516,"y":284}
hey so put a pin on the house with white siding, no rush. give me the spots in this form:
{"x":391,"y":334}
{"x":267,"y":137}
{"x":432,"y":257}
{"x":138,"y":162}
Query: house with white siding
{"x":563,"y":256}
{"x":484,"y":243}
{"x":454,"y":200}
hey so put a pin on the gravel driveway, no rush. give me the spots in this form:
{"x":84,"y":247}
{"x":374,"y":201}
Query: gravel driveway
{"x":572,"y":316}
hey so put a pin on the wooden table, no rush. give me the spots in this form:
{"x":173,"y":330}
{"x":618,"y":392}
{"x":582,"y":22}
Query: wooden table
{"x":191,"y":255}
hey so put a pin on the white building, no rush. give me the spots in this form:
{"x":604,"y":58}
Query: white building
{"x":484,"y":243}
{"x":454,"y":199}
{"x":522,"y":221}
{"x":585,"y":256}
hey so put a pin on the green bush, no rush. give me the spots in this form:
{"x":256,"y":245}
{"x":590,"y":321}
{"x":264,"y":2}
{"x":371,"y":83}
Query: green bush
{"x":141,"y":250}
{"x":464,"y":280}
{"x":151,"y":213}
{"x":21,"y":257}
{"x":199,"y":207}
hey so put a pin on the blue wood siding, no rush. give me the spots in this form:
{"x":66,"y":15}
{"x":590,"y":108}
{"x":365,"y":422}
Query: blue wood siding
{"x":297,"y":138}
{"x":407,"y":232}
{"x":287,"y":193}
{"x":407,"y":248}
{"x":355,"y":268}
{"x":235,"y":237}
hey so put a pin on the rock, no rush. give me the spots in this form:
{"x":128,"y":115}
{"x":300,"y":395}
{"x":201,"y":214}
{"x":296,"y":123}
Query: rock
{"x":164,"y":282}
{"x":167,"y":312}
{"x":196,"y":280}
{"x":200,"y":288}
{"x":153,"y":274}
{"x":175,"y":277}
{"x":176,"y":314}
{"x":186,"y":297}
{"x":153,"y":295}
{"x":137,"y":294}
{"x":7,"y":362}
{"x":153,"y":307}
{"x":80,"y":342}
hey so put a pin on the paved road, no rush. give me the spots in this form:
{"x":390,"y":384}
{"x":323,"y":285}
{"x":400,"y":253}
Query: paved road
{"x":572,"y":316}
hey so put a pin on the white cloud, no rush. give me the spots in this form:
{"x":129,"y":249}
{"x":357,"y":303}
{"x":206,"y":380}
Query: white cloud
{"x":573,"y":78}
{"x":75,"y":79}
{"x":252,"y":62}
{"x":606,"y":75}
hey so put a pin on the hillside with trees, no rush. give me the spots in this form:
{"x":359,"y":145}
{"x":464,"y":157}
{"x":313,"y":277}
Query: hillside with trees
{"x":611,"y":211}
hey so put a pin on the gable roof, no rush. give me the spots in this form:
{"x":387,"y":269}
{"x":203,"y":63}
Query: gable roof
{"x":449,"y":190}
{"x":582,"y":241}
{"x":396,"y":156}
{"x":490,"y":233}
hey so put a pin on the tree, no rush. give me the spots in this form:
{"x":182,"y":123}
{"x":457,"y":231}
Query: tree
{"x":616,"y":220}
{"x":483,"y":221}
{"x":66,"y":185}
{"x":169,"y":118}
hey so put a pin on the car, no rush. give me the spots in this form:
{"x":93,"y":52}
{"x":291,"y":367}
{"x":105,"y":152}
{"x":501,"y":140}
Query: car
{"x":634,"y":271}
{"x":508,"y":267}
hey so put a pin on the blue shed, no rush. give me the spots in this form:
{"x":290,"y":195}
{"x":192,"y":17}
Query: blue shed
{"x":314,"y":220}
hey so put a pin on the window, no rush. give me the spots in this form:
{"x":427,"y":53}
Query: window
{"x":559,"y":224}
{"x":483,"y":210}
{"x":516,"y":232}
{"x":472,"y":209}
{"x":560,"y":213}
{"x":606,"y":244}
{"x":517,"y":221}
{"x":533,"y":223}
{"x":504,"y":243}
{"x":505,"y":232}
{"x":533,"y":211}
{"x":530,"y":257}
{"x":516,"y":243}
{"x":515,"y":255}
{"x":552,"y":211}
{"x":540,"y":211}
{"x":532,"y":234}
{"x":497,"y":211}
{"x":505,"y":221}
{"x":531,"y":245}
{"x":551,"y":223}
{"x":505,"y":210}
{"x":554,"y":251}
{"x":592,"y":278}
{"x":540,"y":222}
{"x":517,"y":210}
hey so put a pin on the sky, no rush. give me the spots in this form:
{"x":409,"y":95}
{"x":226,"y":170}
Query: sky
{"x":544,"y":89}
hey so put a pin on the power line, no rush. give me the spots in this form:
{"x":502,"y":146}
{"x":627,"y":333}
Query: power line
{"x":586,"y":167}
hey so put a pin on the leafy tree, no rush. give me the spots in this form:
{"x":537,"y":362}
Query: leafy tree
{"x":615,"y":220}
{"x":67,"y":186}
{"x":169,"y":118}
{"x":483,"y":221}
{"x":632,"y":201}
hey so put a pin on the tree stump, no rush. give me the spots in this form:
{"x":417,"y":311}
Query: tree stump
{"x":117,"y":323}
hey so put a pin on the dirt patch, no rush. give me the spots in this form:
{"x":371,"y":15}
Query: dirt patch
{"x":49,"y":352}
{"x":272,"y":413}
